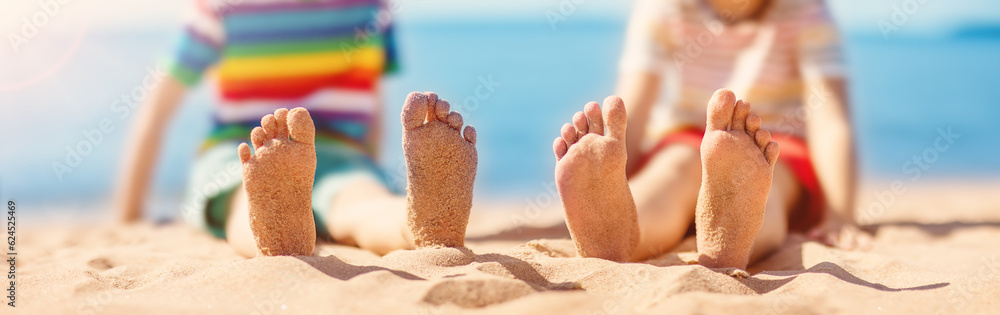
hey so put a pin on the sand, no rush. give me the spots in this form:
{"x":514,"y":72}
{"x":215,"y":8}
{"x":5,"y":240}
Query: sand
{"x":937,"y":250}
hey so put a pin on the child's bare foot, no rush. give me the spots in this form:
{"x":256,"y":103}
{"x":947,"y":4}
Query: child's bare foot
{"x":590,"y":177}
{"x":440,"y":171}
{"x":278,"y":180}
{"x":737,"y":161}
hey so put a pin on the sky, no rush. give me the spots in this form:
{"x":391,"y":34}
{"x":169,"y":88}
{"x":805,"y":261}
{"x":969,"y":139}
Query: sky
{"x":854,"y":15}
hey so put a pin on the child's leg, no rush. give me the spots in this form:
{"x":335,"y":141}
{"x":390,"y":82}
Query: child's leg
{"x":278,"y":180}
{"x":366,"y":215}
{"x":369,"y":216}
{"x":441,"y":161}
{"x":590,"y":176}
{"x":737,"y":165}
{"x":665,"y":192}
{"x":238,"y":232}
{"x":441,"y":164}
{"x":785,"y":190}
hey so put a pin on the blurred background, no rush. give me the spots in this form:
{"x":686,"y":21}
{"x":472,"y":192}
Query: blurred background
{"x":936,"y":68}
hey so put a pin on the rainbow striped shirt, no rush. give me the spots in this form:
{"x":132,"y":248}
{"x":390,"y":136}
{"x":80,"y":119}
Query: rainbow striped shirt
{"x":324,"y":55}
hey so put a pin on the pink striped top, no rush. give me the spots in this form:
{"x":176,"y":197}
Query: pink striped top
{"x":766,"y":62}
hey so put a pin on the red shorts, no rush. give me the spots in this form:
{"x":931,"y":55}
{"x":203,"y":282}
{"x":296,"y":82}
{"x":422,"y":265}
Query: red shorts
{"x":810,"y":206}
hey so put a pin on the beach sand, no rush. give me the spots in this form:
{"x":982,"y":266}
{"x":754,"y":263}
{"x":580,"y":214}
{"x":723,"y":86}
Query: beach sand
{"x":937,"y":251}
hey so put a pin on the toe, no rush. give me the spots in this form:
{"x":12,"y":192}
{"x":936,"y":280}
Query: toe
{"x":244,"y":151}
{"x":441,"y":109}
{"x":595,"y":121}
{"x":470,"y":134}
{"x":865,"y":242}
{"x":455,"y":120}
{"x":257,"y":137}
{"x":753,"y":124}
{"x":300,"y":126}
{"x":568,"y":134}
{"x":615,"y":119}
{"x":720,"y":110}
{"x":559,"y":147}
{"x":771,"y":153}
{"x":432,"y":98}
{"x":580,"y":122}
{"x":270,"y":125}
{"x":281,"y":120}
{"x":415,"y":110}
{"x":763,"y":137}
{"x":740,"y":114}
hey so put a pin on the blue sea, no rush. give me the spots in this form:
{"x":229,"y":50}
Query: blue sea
{"x":905,"y":91}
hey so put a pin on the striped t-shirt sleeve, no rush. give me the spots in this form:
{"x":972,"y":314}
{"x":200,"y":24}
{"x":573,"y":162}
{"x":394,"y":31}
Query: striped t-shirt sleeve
{"x":391,"y":52}
{"x":820,"y":51}
{"x":645,"y":45}
{"x":200,"y":46}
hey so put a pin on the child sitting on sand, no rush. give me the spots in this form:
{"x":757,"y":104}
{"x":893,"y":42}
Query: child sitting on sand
{"x":783,"y":56}
{"x":311,"y":170}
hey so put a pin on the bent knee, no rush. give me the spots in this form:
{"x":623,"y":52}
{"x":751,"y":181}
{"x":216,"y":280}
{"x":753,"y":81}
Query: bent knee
{"x":674,"y":159}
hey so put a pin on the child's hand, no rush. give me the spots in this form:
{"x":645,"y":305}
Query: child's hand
{"x":837,"y":232}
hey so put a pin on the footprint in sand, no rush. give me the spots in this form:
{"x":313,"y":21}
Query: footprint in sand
{"x":590,"y":177}
{"x":476,"y":292}
{"x":278,"y":179}
{"x":441,"y":164}
{"x":737,"y":162}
